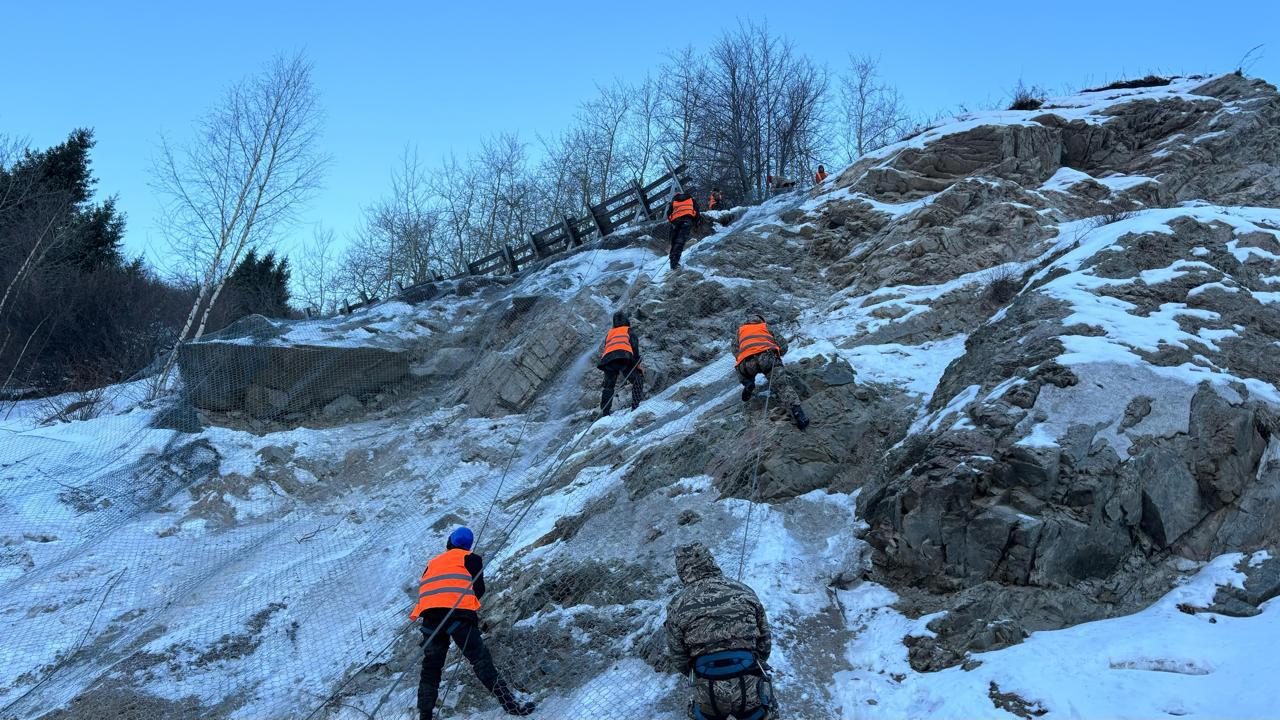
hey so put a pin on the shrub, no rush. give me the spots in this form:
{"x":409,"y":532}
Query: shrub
{"x":1027,"y":97}
{"x":1114,"y":215}
{"x":1001,"y":284}
{"x":1148,"y":81}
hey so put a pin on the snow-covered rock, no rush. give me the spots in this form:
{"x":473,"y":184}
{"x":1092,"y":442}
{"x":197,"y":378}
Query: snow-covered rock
{"x":1038,"y":349}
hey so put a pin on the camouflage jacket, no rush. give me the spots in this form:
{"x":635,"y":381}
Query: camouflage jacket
{"x":712,"y":613}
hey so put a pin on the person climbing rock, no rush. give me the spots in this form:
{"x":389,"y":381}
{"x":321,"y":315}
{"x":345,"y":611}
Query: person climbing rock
{"x":715,"y":199}
{"x":449,"y":607}
{"x":819,"y":176}
{"x":621,"y":356}
{"x":682,"y":213}
{"x":717,"y":632}
{"x":757,"y":352}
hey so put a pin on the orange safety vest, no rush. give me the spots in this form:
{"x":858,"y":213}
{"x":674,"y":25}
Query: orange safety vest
{"x":446,"y":584}
{"x":618,"y":338}
{"x":819,"y":176}
{"x":753,"y":339}
{"x":681,"y":208}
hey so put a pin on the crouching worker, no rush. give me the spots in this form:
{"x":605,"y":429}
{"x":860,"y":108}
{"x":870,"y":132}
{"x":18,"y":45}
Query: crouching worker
{"x":621,"y":357}
{"x":718,"y":633}
{"x":449,"y":606}
{"x":757,"y":352}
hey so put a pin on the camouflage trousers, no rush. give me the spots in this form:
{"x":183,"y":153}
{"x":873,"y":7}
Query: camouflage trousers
{"x":770,"y":365}
{"x":738,"y":697}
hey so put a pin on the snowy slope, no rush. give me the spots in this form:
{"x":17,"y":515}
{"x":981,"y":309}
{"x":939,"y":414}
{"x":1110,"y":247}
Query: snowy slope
{"x":147,"y":572}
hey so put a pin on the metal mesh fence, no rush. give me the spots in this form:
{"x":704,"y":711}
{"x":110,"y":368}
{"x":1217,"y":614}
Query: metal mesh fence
{"x":265,"y":566}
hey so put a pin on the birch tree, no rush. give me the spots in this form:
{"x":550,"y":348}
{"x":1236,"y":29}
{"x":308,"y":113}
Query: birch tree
{"x":872,"y":113}
{"x":253,"y":162}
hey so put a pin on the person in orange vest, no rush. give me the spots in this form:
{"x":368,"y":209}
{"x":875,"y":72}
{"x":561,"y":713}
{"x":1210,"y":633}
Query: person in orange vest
{"x":621,"y":356}
{"x":715,"y":199}
{"x":449,"y":606}
{"x":757,"y":352}
{"x":682,"y":213}
{"x":819,"y":176}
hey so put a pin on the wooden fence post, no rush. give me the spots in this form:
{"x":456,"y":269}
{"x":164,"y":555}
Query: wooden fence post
{"x":533,"y":245}
{"x":510,"y":258}
{"x":570,"y":236}
{"x":602,"y":226}
{"x":675,"y":179}
{"x":638,"y":189}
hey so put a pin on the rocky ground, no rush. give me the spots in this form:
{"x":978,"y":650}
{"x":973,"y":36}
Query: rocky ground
{"x":1037,"y":348}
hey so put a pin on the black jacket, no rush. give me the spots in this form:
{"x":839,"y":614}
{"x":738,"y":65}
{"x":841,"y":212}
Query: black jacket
{"x":433,"y":616}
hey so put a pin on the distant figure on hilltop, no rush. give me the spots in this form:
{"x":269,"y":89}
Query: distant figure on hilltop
{"x":779,"y":182}
{"x":757,"y":352}
{"x":819,"y":176}
{"x":449,"y":605}
{"x":718,"y":632}
{"x":682,"y":213}
{"x":621,"y":356}
{"x":715,"y":200}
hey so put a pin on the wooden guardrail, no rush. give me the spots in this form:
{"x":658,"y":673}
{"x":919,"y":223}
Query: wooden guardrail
{"x":601,"y":219}
{"x":643,"y":201}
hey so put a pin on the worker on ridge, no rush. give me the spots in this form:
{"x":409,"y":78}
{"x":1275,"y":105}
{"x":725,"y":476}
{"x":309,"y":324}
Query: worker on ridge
{"x":682,"y":213}
{"x":449,"y":605}
{"x":718,"y":633}
{"x":757,"y":352}
{"x":779,"y":183}
{"x":621,"y":356}
{"x":819,"y":176}
{"x":715,"y":200}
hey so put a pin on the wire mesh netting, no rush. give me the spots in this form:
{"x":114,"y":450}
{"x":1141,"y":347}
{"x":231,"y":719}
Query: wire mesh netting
{"x":250,"y":547}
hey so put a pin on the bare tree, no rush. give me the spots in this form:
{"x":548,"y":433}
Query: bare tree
{"x":644,"y":129}
{"x":760,"y":111}
{"x":317,"y":272}
{"x":253,"y":163}
{"x":409,"y":224}
{"x":602,"y":122}
{"x":455,"y":186}
{"x":684,"y":81}
{"x":872,"y":114}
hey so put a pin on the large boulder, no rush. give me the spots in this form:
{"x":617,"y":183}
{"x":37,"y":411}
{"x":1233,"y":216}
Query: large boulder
{"x":271,"y":381}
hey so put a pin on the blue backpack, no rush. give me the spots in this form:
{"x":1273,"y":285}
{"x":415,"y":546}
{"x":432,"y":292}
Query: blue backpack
{"x":727,"y":665}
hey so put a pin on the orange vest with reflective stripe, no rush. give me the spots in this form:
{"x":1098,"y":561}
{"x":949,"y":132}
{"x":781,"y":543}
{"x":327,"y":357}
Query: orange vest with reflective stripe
{"x":820,"y":176}
{"x":446,"y":584}
{"x":753,"y":339}
{"x":681,"y":208}
{"x":618,"y":338}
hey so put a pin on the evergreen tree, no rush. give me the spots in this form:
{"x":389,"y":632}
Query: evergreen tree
{"x":258,"y":285}
{"x":76,"y":312}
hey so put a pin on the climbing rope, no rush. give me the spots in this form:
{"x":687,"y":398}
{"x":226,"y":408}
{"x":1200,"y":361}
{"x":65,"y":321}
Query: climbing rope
{"x":755,"y":475}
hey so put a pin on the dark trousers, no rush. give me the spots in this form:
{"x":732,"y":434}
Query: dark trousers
{"x":680,"y":230}
{"x":466,"y":636}
{"x":611,"y":373}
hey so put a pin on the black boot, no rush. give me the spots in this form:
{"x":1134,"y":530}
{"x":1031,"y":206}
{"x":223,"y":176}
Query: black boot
{"x":509,"y":703}
{"x":747,"y":390}
{"x":797,"y":414}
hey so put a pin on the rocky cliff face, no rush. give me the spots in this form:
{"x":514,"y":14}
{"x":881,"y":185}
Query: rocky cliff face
{"x":1037,"y":348}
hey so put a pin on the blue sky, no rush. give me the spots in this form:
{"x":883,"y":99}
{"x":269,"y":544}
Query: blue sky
{"x":443,"y":75}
